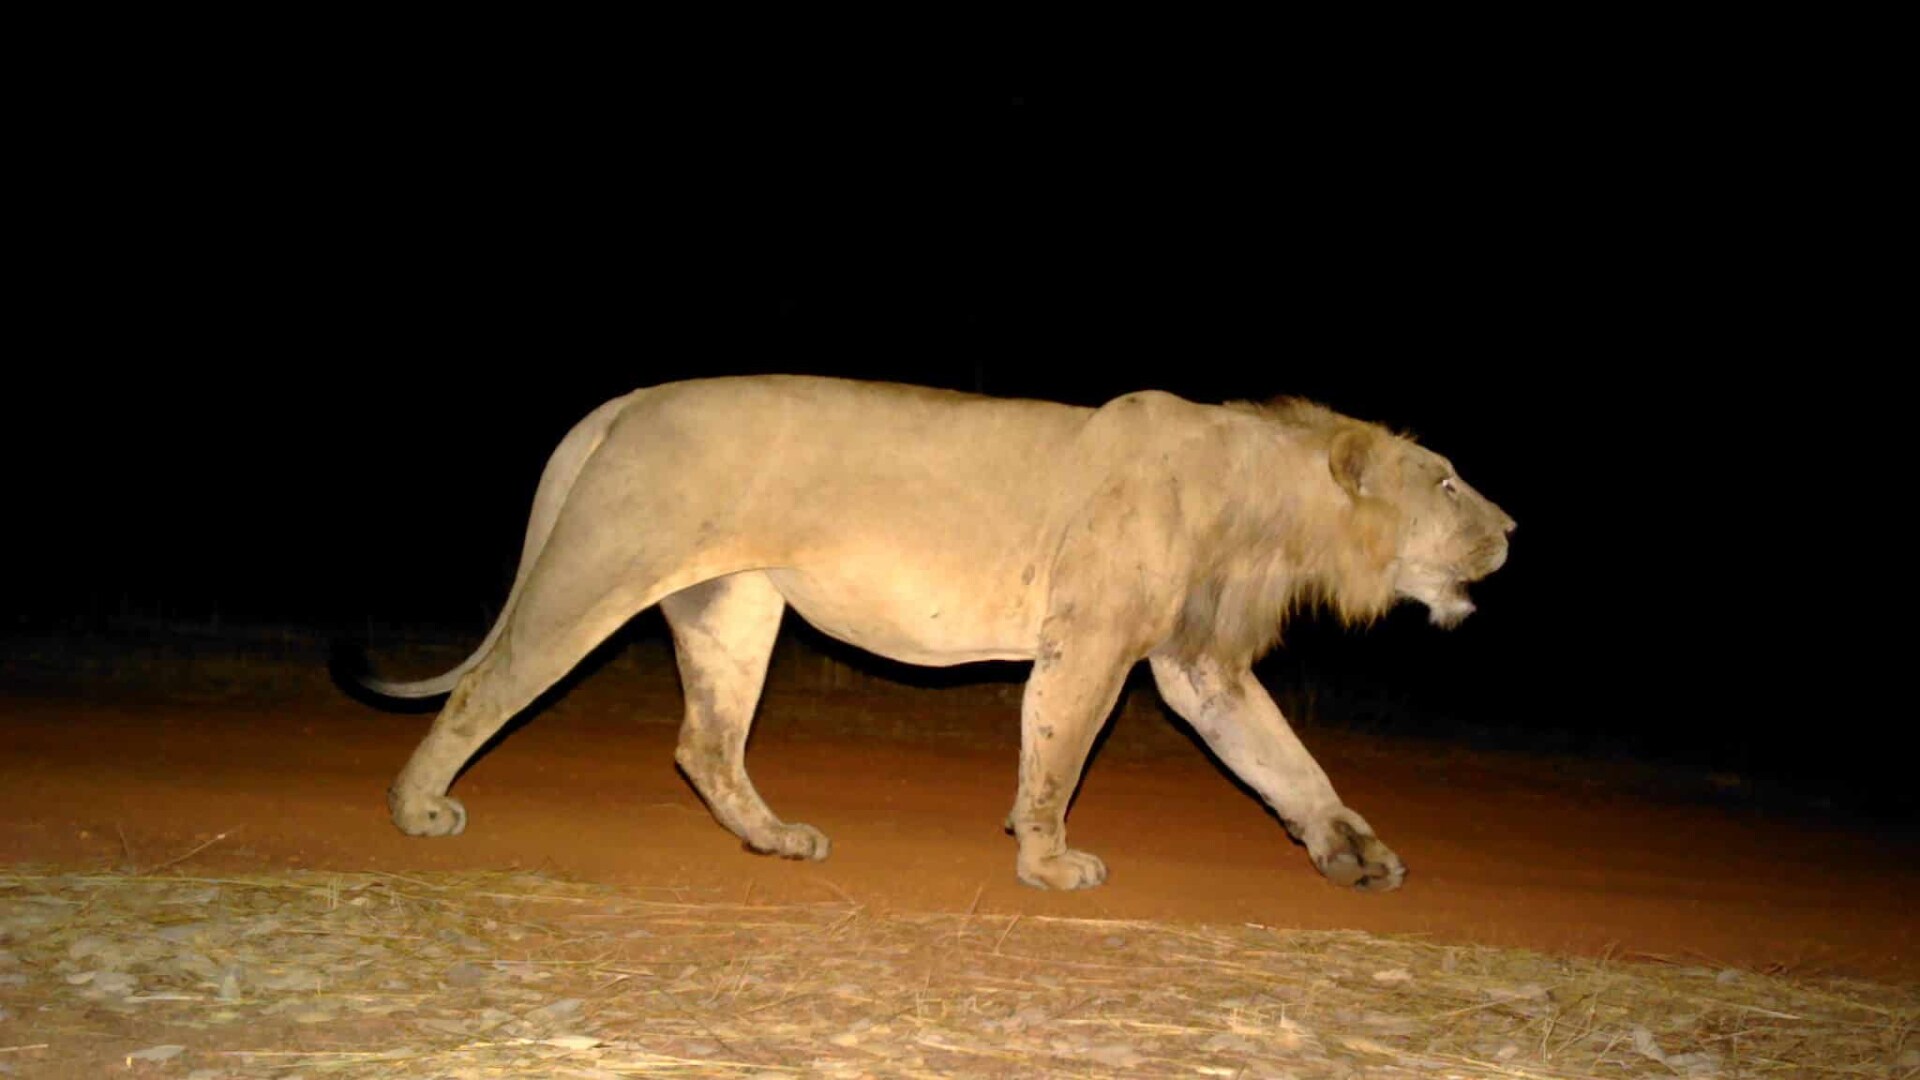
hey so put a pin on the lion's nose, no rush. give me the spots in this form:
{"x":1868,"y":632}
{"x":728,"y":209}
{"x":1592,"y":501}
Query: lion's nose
{"x":1511,"y":525}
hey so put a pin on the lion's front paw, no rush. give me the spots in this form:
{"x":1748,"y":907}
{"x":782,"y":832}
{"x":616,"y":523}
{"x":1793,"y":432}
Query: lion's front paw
{"x":792,"y":842}
{"x":427,"y":815}
{"x":1348,"y":853}
{"x":1068,"y":870}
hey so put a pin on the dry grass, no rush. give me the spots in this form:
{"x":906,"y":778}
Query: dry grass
{"x":518,"y":975}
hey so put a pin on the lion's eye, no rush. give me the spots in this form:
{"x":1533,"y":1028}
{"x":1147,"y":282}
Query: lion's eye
{"x":1446,"y":485}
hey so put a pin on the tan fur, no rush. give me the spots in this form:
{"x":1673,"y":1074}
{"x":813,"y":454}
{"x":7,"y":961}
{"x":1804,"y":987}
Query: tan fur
{"x":939,"y":528}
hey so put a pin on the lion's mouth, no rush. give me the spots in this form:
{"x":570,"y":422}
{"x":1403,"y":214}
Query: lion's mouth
{"x":1442,"y":587}
{"x":1487,"y":558}
{"x":1444,"y":594}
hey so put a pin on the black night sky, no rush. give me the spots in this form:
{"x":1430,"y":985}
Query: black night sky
{"x":306,"y":350}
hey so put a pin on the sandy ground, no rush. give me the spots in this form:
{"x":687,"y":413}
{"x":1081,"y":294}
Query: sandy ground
{"x":1503,"y":851}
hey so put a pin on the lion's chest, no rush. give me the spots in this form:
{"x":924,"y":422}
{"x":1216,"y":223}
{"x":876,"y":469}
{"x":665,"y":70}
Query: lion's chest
{"x":916,"y":614}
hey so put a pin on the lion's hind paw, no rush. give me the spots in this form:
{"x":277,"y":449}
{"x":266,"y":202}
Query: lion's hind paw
{"x":427,"y":815}
{"x":1068,"y":870}
{"x":792,"y":842}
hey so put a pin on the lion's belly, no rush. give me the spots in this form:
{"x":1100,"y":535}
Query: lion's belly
{"x":911,"y":617}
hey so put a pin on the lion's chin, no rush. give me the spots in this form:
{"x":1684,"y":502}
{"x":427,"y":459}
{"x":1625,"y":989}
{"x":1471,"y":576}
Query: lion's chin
{"x":1447,"y":605}
{"x":1450,"y":613}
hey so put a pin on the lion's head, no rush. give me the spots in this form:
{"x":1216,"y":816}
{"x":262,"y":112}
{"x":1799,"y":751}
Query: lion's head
{"x":1446,"y":534}
{"x":1347,"y":514}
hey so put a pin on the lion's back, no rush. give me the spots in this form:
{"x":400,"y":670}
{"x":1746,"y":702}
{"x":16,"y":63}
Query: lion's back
{"x":887,"y":455}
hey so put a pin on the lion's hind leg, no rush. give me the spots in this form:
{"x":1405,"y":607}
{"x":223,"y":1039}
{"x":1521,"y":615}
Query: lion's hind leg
{"x":547,"y":632}
{"x":723,"y":634}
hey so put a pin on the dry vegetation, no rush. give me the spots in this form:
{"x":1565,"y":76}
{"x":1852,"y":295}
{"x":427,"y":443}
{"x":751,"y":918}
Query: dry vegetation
{"x":353,"y":975}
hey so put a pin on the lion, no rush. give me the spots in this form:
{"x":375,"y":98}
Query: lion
{"x":937,"y":528}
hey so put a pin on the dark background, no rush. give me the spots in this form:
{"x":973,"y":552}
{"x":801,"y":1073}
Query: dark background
{"x":301,"y":343}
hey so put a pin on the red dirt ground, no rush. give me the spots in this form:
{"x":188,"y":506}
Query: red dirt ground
{"x":1502,"y":850}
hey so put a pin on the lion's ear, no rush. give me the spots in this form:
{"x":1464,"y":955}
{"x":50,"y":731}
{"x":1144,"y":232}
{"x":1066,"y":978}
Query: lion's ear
{"x":1350,"y":456}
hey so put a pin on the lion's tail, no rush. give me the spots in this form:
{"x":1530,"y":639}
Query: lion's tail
{"x":556,"y":482}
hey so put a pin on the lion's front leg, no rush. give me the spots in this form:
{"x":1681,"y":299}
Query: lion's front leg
{"x":1234,"y":713}
{"x":1068,"y":697}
